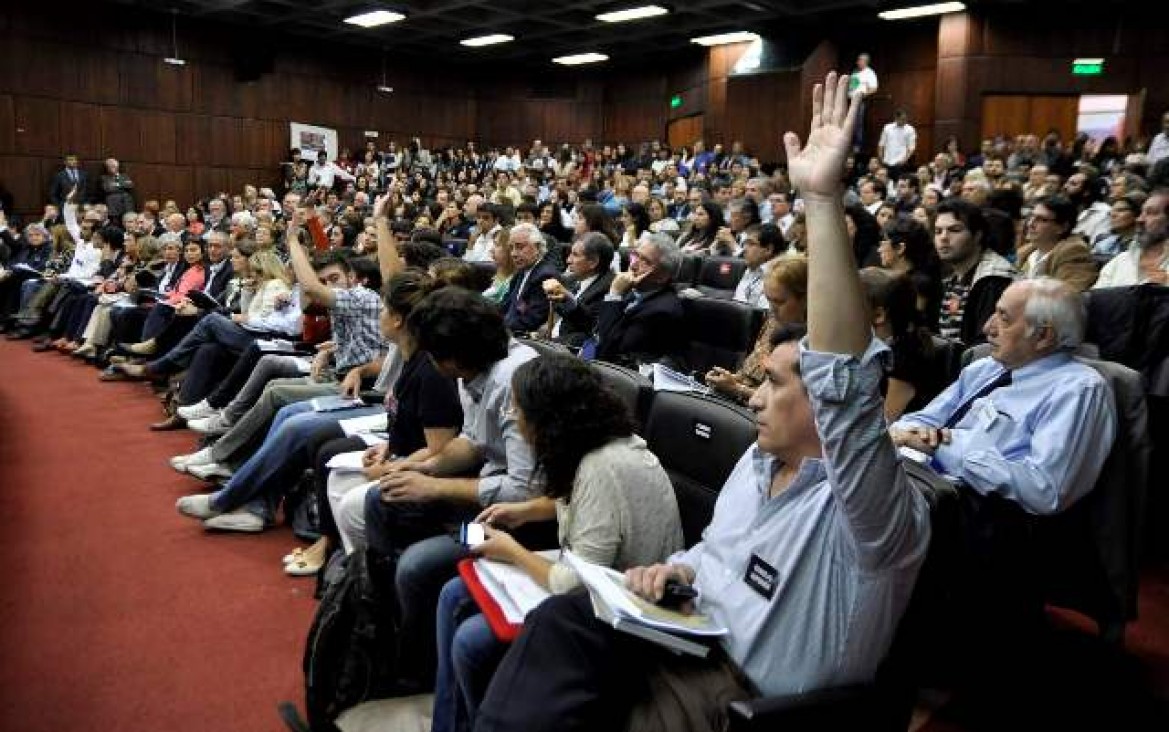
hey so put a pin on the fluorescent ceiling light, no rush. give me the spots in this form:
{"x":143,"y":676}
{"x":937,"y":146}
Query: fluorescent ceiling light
{"x":487,"y":40}
{"x":386,"y":89}
{"x":921,"y":11}
{"x":722,"y":38}
{"x":374,"y":18}
{"x":620,"y":16}
{"x":174,"y":61}
{"x":580,"y":58}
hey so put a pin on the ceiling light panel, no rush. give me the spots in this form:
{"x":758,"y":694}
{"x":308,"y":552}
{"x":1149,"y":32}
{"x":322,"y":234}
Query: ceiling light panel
{"x":374,"y":18}
{"x":490,"y":40}
{"x":921,"y":11}
{"x":621,"y":16}
{"x":723,"y":38}
{"x":580,"y":58}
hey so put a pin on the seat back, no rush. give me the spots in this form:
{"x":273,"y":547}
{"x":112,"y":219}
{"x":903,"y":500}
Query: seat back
{"x":698,"y":440}
{"x":456,"y":247}
{"x":722,"y":332}
{"x":484,"y":272}
{"x":948,"y":355}
{"x":688,"y":270}
{"x":635,"y":390}
{"x":545,"y":347}
{"x":721,"y":273}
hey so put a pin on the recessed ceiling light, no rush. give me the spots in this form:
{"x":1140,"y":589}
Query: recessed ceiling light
{"x":374,"y":18}
{"x":386,"y":89}
{"x":490,"y":40}
{"x":921,"y":11}
{"x":580,"y":58}
{"x":620,"y":16}
{"x":721,"y":38}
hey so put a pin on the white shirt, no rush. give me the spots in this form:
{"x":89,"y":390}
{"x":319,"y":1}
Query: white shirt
{"x":325,"y":175}
{"x":865,"y":79}
{"x":897,"y":142}
{"x":480,"y":250}
{"x":1124,"y":269}
{"x":1159,"y":149}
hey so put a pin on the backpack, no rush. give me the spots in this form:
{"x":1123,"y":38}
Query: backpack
{"x":350,"y":651}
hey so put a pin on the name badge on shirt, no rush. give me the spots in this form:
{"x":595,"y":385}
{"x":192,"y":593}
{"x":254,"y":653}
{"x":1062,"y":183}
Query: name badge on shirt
{"x":986,"y":415}
{"x":761,"y":577}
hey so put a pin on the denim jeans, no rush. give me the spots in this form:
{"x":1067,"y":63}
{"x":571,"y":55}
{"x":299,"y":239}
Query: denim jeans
{"x":468,"y":653}
{"x":260,"y":483}
{"x":422,"y":536}
{"x":213,"y":328}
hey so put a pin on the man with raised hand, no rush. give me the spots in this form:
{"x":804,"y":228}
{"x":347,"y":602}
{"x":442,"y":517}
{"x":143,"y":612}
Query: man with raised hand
{"x":817,"y":536}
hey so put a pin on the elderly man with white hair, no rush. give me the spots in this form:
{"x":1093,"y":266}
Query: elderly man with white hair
{"x":526,"y":307}
{"x":1030,"y":424}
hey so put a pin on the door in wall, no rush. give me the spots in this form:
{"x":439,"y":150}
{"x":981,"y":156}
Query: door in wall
{"x":682,"y":132}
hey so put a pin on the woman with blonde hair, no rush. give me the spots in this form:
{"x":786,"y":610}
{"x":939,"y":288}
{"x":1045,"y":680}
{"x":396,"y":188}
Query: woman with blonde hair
{"x":500,"y":289}
{"x":786,"y":288}
{"x":266,"y":287}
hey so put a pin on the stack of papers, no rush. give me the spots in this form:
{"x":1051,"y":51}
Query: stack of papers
{"x":666,"y":379}
{"x":335,"y":403}
{"x":371,"y":423}
{"x":625,"y":611}
{"x":516,"y":593}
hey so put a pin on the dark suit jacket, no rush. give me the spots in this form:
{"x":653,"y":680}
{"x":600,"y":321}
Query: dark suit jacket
{"x":62,"y":184}
{"x":527,"y":308}
{"x":579,"y":315}
{"x":217,"y":284}
{"x":645,"y":333}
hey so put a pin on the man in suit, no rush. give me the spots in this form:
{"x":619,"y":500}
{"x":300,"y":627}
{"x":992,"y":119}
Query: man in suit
{"x":527,"y":303}
{"x":640,"y":320}
{"x":589,"y":263}
{"x":68,"y":178}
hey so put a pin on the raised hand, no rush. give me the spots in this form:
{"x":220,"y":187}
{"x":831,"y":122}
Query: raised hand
{"x":381,"y":206}
{"x":816,"y":169}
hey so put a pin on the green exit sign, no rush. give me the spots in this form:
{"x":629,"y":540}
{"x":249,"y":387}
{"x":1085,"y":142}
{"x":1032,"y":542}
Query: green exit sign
{"x":675,"y":101}
{"x":1088,"y":67}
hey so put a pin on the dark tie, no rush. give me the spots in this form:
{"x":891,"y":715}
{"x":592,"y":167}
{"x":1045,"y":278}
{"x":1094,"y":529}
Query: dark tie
{"x":1003,"y":379}
{"x":73,"y":175}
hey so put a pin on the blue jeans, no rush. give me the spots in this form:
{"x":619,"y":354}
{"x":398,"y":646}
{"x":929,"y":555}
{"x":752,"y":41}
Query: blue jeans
{"x":213,"y":328}
{"x":421,"y":536}
{"x":260,"y":483}
{"x":468,"y":653}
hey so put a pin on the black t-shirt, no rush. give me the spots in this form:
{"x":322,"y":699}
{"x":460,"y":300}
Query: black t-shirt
{"x":423,"y":399}
{"x":924,"y":371}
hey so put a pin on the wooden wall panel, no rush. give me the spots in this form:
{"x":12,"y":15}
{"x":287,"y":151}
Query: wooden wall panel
{"x":81,"y":129}
{"x":121,"y":133}
{"x":158,"y":136}
{"x":7,"y":124}
{"x":22,"y":178}
{"x":684,"y":131}
{"x":38,"y":126}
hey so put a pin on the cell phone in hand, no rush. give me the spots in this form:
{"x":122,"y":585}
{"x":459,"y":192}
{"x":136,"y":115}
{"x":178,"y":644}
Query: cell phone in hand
{"x":472,"y":534}
{"x":676,"y":594}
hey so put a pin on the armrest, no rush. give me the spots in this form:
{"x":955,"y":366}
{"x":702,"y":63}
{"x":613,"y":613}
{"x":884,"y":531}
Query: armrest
{"x":820,"y":709}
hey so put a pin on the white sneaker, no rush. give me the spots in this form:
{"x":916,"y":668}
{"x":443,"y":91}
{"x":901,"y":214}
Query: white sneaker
{"x":238,"y":520}
{"x":216,"y":424}
{"x":202,"y":410}
{"x":210,"y":471}
{"x":196,"y":506}
{"x":182,"y":462}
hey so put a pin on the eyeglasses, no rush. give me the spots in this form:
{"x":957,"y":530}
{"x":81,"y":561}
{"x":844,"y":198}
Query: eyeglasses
{"x":1042,"y":219}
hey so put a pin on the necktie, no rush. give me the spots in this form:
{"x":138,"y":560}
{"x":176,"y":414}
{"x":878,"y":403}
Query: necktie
{"x":1003,"y":379}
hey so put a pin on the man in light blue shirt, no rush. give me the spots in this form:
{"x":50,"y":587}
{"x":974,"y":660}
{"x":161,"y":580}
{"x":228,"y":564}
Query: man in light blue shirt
{"x":817,"y":536}
{"x":1030,"y":424}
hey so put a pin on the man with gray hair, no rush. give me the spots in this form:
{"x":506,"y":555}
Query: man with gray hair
{"x":1030,"y":424}
{"x":526,"y":307}
{"x":641,"y":318}
{"x":1146,"y":259}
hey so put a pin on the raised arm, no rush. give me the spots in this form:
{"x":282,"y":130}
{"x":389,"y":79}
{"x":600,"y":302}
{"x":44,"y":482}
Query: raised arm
{"x":306,"y":275}
{"x":388,"y":259}
{"x":837,"y":318}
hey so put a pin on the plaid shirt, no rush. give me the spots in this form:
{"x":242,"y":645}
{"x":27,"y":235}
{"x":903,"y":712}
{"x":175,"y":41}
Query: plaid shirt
{"x":354,"y":319}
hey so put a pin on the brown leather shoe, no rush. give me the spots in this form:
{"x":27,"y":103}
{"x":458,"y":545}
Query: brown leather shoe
{"x":170,"y":423}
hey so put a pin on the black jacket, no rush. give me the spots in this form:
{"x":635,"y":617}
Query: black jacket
{"x":527,"y":308}
{"x":643,"y":333}
{"x":217,"y":284}
{"x":63,"y":184}
{"x":579,"y":315}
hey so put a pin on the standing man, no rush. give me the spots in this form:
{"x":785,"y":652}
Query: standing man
{"x":1159,"y":148}
{"x":897,"y":143}
{"x":863,"y":79}
{"x":68,"y":178}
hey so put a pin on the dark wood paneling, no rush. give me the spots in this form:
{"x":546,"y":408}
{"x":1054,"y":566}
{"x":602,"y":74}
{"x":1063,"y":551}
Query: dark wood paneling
{"x":7,"y":124}
{"x":38,"y":126}
{"x":81,"y":129}
{"x":121,"y":133}
{"x":21,"y":175}
{"x":684,"y":131}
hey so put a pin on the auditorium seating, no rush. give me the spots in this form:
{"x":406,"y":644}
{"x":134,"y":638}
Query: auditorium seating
{"x":722,"y":332}
{"x":718,"y":276}
{"x":633,"y":388}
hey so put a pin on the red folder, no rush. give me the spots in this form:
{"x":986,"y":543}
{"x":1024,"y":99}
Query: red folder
{"x":496,"y":620}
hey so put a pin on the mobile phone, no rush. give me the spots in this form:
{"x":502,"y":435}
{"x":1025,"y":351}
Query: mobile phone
{"x":676,"y":594}
{"x":472,"y":535}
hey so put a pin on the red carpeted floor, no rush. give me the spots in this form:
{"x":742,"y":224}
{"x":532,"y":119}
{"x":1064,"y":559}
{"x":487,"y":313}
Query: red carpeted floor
{"x":116,"y":613}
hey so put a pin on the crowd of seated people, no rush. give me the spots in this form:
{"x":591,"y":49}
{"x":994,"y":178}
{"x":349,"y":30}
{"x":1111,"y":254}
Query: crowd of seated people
{"x":373,"y":311}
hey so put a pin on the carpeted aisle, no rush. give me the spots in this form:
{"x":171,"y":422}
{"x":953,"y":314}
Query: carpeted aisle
{"x":116,"y":613}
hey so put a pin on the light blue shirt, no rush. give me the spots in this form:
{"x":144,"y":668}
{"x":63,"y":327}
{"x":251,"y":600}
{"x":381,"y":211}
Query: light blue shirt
{"x":847,"y":537}
{"x":1041,"y":441}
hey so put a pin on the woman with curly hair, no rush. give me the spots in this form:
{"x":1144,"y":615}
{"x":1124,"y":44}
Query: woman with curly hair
{"x":610,"y":495}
